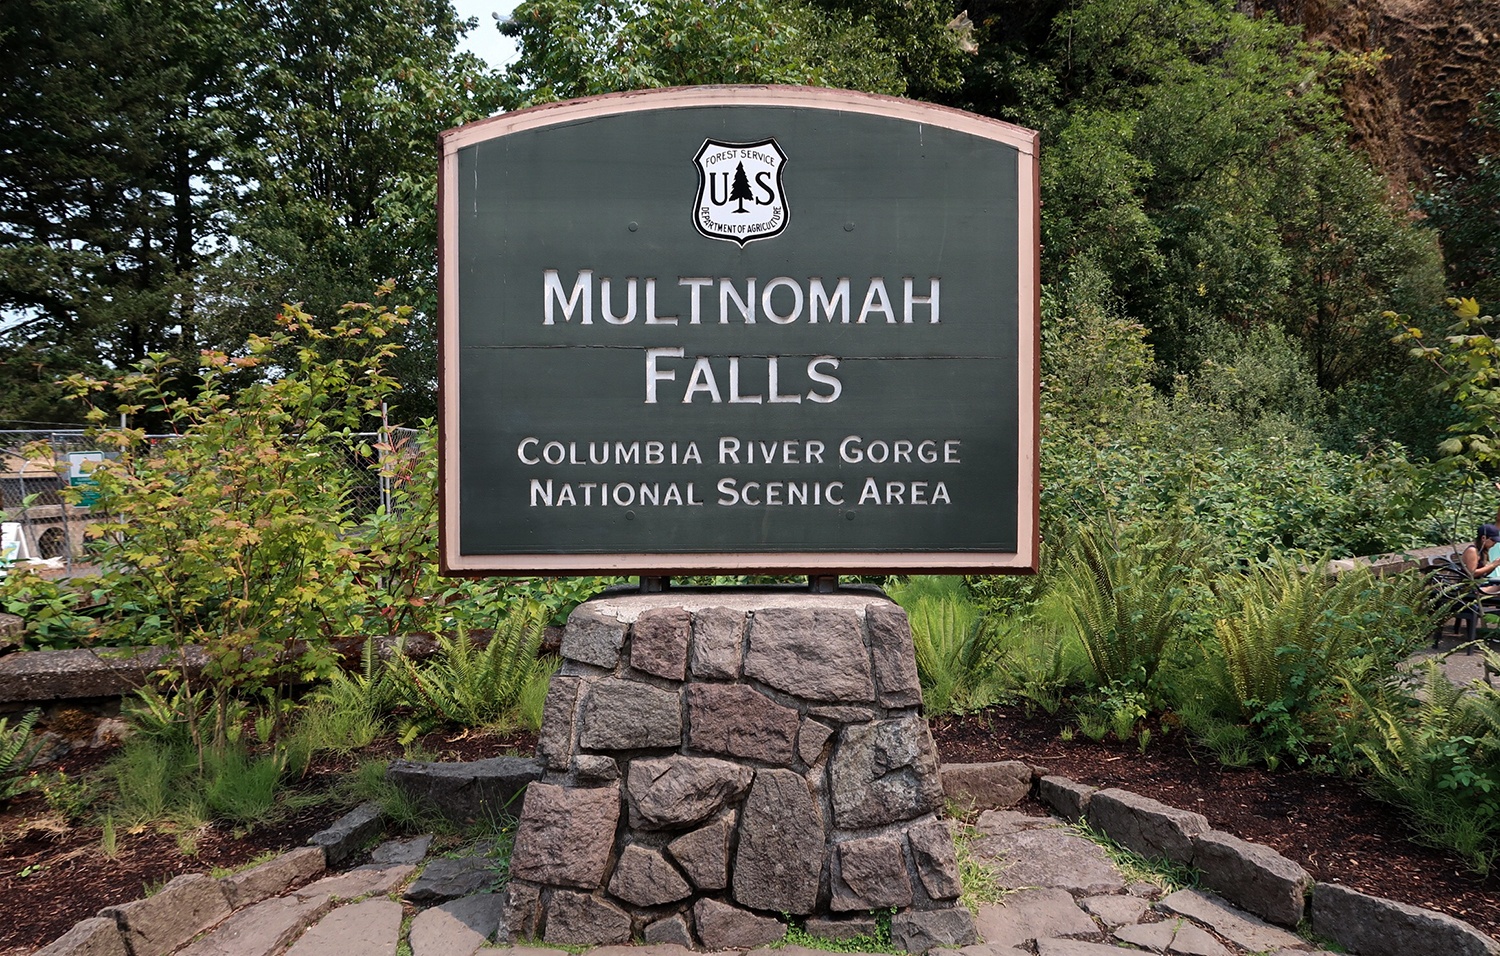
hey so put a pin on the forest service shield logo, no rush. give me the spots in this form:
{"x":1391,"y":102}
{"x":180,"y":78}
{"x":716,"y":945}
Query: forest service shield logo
{"x":740,"y":195}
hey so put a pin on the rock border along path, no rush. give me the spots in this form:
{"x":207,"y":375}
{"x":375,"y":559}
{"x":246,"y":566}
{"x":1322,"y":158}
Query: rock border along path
{"x":1065,"y":898}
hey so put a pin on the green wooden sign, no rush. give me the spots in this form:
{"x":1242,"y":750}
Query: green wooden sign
{"x":736,"y":328}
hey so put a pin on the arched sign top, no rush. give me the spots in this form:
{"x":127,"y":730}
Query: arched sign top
{"x":797,"y":97}
{"x":737,"y":328}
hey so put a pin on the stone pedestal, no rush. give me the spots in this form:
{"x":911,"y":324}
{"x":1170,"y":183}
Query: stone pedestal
{"x":716,"y":761}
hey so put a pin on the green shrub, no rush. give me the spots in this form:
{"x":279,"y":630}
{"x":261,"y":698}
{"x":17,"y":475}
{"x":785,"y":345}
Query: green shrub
{"x":69,"y":797}
{"x":232,"y":536}
{"x":1289,"y":643}
{"x":1249,"y":497}
{"x":1008,"y":594}
{"x":1466,"y":356}
{"x":393,"y":560}
{"x":1096,"y":362}
{"x":52,"y":610}
{"x":1117,"y":709}
{"x":1259,"y":385}
{"x":165,"y":714}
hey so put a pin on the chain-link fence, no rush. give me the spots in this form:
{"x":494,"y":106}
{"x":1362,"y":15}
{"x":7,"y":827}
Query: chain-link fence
{"x":37,"y":465}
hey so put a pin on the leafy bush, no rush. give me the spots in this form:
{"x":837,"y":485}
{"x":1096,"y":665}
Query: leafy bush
{"x":1249,"y":497}
{"x":231,"y":535}
{"x":1236,"y":454}
{"x":1261,"y":384}
{"x":1096,"y":364}
{"x":239,"y":536}
{"x":1118,"y":708}
{"x":52,"y":610}
{"x":1465,"y":210}
{"x":1466,"y":357}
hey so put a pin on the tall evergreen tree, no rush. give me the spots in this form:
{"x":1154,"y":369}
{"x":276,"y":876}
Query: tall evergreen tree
{"x":335,"y":141}
{"x":171,"y":171}
{"x":109,"y":133}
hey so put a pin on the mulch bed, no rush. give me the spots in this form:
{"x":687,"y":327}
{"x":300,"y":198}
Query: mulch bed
{"x":1326,"y":824}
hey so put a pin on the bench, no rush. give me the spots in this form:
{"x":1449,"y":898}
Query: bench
{"x":1460,"y":594}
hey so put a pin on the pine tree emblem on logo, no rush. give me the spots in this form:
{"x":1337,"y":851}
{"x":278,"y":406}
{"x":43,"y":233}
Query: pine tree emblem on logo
{"x":740,"y":196}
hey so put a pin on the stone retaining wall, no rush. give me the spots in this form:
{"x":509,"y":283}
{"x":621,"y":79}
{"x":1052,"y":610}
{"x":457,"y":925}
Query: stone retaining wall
{"x":104,"y":674}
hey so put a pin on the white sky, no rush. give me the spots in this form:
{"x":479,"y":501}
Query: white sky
{"x":485,"y":41}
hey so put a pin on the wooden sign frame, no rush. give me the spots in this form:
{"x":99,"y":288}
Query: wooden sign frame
{"x":615,"y":174}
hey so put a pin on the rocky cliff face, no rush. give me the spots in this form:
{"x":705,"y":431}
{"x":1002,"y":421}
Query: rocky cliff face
{"x":1411,"y":114}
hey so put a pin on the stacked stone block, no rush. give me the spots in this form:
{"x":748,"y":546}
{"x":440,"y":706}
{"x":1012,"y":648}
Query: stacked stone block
{"x":717,"y":761}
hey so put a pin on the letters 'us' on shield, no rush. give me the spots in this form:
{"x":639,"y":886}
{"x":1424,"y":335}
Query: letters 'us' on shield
{"x":738,"y":329}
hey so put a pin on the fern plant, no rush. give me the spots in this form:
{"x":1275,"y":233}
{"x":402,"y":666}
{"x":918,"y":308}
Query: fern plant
{"x":351,"y":710}
{"x":1124,"y":598}
{"x":166,"y":714}
{"x":1441,"y":764}
{"x":18,"y":751}
{"x":468,"y":685}
{"x":1292,"y":634}
{"x":1275,"y":626}
{"x":1035,"y":666}
{"x":955,"y":650}
{"x":531,"y":703}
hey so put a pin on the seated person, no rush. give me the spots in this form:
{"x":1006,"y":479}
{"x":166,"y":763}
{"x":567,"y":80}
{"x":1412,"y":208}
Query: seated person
{"x":1477,"y":560}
